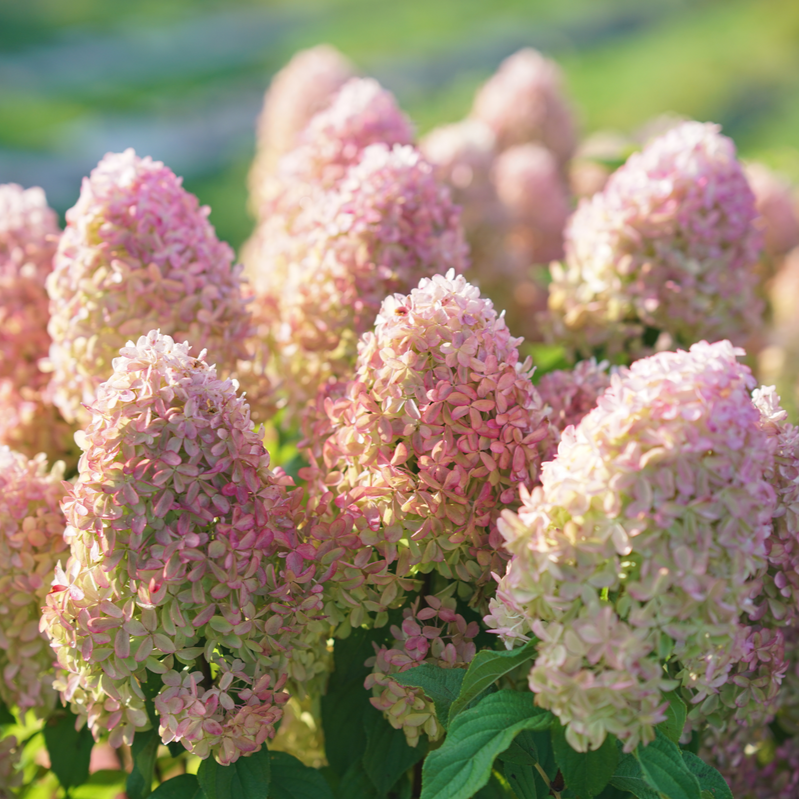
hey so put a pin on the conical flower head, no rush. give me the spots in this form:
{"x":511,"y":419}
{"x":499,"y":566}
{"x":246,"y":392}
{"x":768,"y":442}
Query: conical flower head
{"x":389,"y":224}
{"x":303,"y":88}
{"x":31,"y":543}
{"x":28,"y":238}
{"x":524,"y":102}
{"x":185,"y":563}
{"x":138,"y":253}
{"x":668,"y":247}
{"x":436,"y":433}
{"x":639,"y":561}
{"x":778,"y":207}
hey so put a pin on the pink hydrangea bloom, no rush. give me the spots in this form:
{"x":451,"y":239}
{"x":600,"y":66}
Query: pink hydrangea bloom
{"x":463,"y":156}
{"x":31,"y":542}
{"x":647,"y":544}
{"x":28,"y":238}
{"x":434,"y":435}
{"x":525,"y":102}
{"x":10,"y":773}
{"x":574,"y":392}
{"x":389,"y":224}
{"x":777,"y":207}
{"x":186,"y":562}
{"x":434,"y":634}
{"x":138,"y":252}
{"x":303,"y":88}
{"x":669,"y":246}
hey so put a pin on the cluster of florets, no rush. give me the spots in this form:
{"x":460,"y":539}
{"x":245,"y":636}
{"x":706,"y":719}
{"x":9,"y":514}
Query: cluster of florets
{"x":28,"y":238}
{"x":435,"y":434}
{"x":31,"y":542}
{"x":525,"y":102}
{"x":639,"y":562}
{"x":667,"y":249}
{"x":572,"y":393}
{"x":303,"y":88}
{"x":186,"y":562}
{"x":388,"y":225}
{"x":777,"y":207}
{"x":434,"y":634}
{"x":137,"y":253}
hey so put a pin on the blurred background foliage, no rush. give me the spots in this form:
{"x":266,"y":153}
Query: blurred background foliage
{"x":183,"y":80}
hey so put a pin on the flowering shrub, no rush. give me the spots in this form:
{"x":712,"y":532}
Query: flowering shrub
{"x":489,"y":581}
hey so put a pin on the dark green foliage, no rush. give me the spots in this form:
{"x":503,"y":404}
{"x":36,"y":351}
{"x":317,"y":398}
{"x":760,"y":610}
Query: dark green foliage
{"x":69,"y":749}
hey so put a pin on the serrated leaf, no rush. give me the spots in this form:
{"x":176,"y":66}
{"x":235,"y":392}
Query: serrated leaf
{"x":247,"y":778}
{"x":710,"y":780}
{"x":676,"y":714}
{"x":664,"y":769}
{"x":629,"y":777}
{"x":143,"y":751}
{"x":441,"y":685}
{"x":585,"y":773}
{"x":522,"y":780}
{"x":387,"y":756}
{"x":184,"y":786}
{"x":6,"y":717}
{"x":476,"y":736}
{"x":292,"y":779}
{"x":70,"y":750}
{"x":486,"y":668}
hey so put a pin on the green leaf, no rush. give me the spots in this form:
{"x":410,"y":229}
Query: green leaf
{"x":585,"y":773}
{"x":664,"y":769}
{"x":476,"y":736}
{"x":629,"y":777}
{"x":292,"y":779}
{"x":522,"y":780}
{"x":493,"y":790}
{"x":441,"y":685}
{"x":710,"y":780}
{"x":387,"y":756}
{"x":70,"y":750}
{"x":675,"y":717}
{"x":347,"y":702}
{"x":247,"y":778}
{"x":486,"y":668}
{"x":356,"y":783}
{"x":143,"y":750}
{"x":6,"y":717}
{"x":185,"y":786}
{"x":103,"y":784}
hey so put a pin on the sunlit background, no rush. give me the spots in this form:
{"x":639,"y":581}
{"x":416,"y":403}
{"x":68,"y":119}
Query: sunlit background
{"x":183,"y":80}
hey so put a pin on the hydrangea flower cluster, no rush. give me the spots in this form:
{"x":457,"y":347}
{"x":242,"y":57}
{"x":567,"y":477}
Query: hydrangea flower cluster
{"x":525,"y":102}
{"x":186,"y":566}
{"x":28,"y":239}
{"x":303,"y":88}
{"x":668,"y":247}
{"x":389,"y":224}
{"x":434,"y":634}
{"x":10,"y":775}
{"x":436,"y":433}
{"x":31,"y":542}
{"x":778,"y":209}
{"x":572,"y":393}
{"x":137,"y":253}
{"x":639,"y":561}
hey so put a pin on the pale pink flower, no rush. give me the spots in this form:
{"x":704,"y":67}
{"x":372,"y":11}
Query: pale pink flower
{"x":303,"y":88}
{"x":668,"y":249}
{"x":31,"y":542}
{"x":777,"y":206}
{"x":138,"y":252}
{"x":524,"y":101}
{"x":649,"y":539}
{"x":434,"y":634}
{"x":186,"y":561}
